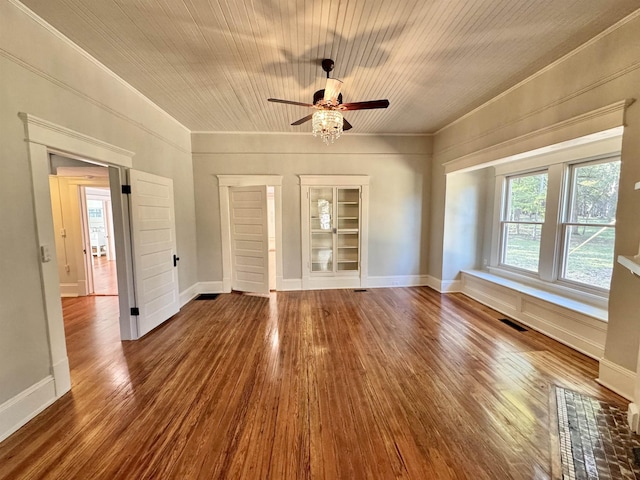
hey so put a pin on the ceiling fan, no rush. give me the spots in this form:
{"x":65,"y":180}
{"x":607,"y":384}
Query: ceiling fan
{"x":328,"y":121}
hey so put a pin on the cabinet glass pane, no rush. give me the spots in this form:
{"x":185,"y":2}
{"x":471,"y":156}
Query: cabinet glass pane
{"x":322,"y":252}
{"x":348,"y":267}
{"x":348,"y":240}
{"x":349,"y":195}
{"x":321,"y":208}
{"x":347,"y":255}
{"x":348,"y":208}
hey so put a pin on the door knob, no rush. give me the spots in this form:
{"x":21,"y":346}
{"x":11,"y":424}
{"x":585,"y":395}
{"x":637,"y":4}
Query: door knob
{"x":175,"y":260}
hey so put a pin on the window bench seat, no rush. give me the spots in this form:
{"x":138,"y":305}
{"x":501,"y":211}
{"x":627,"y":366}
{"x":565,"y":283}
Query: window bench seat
{"x":577,"y":324}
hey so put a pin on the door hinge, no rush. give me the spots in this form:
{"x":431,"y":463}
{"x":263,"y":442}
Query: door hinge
{"x":126,"y":189}
{"x":135,"y":311}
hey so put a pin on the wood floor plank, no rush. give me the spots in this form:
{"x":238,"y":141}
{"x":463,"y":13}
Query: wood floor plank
{"x":390,"y":383}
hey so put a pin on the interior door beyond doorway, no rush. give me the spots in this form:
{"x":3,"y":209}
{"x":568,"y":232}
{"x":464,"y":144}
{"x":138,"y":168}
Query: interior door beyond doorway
{"x":249,"y":239}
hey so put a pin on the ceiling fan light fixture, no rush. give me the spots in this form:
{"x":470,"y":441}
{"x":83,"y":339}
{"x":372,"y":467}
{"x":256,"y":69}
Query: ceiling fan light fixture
{"x":328,"y":125}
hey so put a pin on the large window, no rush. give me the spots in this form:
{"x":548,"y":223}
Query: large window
{"x":558,"y":223}
{"x":522,"y":220}
{"x":588,"y":232}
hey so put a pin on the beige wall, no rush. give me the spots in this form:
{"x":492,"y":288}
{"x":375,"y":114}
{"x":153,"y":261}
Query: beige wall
{"x":43,"y":75}
{"x":605,"y":71}
{"x":468,"y":202}
{"x":399,"y":168}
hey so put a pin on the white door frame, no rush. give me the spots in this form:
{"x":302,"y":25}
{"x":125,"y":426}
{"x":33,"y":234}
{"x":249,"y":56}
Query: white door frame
{"x":87,"y":259}
{"x":42,"y":138}
{"x":226,"y":181}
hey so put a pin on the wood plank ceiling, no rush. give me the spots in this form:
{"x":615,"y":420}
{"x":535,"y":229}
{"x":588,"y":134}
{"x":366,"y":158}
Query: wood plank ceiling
{"x":212,"y":64}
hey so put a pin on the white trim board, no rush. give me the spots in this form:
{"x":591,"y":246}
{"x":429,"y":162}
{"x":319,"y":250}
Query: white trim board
{"x":617,"y":378}
{"x":291,"y":284}
{"x":17,"y":411}
{"x":211,"y":287}
{"x":599,"y":120}
{"x":444,"y":286}
{"x":189,"y":294}
{"x":391,"y":281}
{"x":64,"y":139}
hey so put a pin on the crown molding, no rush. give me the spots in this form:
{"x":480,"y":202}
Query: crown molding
{"x":632,"y":16}
{"x":57,"y":33}
{"x":222,"y":132}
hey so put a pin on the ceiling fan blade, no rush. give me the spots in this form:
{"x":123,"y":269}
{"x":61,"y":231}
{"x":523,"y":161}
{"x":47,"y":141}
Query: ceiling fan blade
{"x":365,"y":105}
{"x":346,"y":125}
{"x":332,"y":90}
{"x":289,"y":102}
{"x":302,"y":120}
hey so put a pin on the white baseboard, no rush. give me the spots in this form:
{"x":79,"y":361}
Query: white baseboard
{"x":295,"y":284}
{"x":444,"y":286}
{"x":17,"y":411}
{"x":617,"y":378}
{"x":291,"y":284}
{"x":210,"y":287}
{"x":61,"y":376}
{"x":398,"y":281}
{"x":68,"y":290}
{"x":189,"y":294}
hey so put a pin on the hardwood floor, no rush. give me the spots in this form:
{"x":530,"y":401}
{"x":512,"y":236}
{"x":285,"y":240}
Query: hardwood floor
{"x":389,"y":383}
{"x":105,"y":280}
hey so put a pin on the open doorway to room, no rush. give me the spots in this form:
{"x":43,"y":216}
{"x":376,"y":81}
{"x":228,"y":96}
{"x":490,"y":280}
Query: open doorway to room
{"x":98,"y":229}
{"x":83,"y":227}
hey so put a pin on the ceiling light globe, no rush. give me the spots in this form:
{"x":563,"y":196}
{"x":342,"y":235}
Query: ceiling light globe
{"x":328,"y":125}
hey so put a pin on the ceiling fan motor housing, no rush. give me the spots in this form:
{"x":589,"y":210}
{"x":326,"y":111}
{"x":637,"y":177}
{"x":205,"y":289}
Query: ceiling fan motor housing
{"x":319,"y":96}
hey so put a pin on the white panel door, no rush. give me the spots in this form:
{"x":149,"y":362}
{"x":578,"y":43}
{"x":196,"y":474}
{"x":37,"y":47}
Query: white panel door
{"x":153,"y":232}
{"x":249,"y":239}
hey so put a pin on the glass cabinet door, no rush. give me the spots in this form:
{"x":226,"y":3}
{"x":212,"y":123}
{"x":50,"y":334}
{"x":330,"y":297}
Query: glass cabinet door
{"x":348,"y":231}
{"x":321,"y":206}
{"x":334,"y":214}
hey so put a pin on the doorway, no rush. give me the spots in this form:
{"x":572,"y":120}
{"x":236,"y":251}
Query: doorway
{"x":273,"y":183}
{"x":82,"y":215}
{"x":42,"y":139}
{"x":98,"y":230}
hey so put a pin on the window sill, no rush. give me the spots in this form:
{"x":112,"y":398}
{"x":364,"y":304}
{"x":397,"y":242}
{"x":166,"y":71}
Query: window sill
{"x":589,"y":305}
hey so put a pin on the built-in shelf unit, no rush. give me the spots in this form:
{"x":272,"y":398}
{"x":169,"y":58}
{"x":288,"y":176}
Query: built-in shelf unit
{"x":334,"y":225}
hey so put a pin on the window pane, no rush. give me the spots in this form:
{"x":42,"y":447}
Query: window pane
{"x":527,"y":197}
{"x":589,"y":257}
{"x":522,"y":246}
{"x":595,"y":193}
